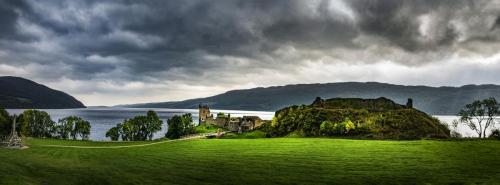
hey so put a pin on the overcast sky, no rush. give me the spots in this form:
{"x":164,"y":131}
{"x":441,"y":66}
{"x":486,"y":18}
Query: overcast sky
{"x":119,"y":52}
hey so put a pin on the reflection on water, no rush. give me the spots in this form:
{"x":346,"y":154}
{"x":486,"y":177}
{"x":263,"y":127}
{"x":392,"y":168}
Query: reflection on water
{"x":104,"y":118}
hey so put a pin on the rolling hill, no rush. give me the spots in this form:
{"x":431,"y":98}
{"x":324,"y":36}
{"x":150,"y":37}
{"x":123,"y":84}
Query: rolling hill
{"x":20,"y":93}
{"x":432,"y":100}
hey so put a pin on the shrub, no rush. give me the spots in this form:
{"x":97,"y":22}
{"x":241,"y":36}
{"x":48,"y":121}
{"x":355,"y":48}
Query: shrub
{"x":295,"y":134}
{"x":495,"y":134}
{"x":345,"y":126}
{"x":327,"y":128}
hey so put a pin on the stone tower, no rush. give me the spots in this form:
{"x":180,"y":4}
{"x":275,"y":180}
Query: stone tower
{"x":203,"y":113}
{"x":409,"y":103}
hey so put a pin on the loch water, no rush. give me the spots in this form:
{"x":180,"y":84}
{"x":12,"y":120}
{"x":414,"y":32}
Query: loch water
{"x":104,"y":118}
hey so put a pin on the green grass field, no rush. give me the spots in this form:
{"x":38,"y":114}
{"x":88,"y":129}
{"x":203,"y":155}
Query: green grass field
{"x":255,"y":161}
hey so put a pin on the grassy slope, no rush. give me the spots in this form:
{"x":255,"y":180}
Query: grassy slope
{"x":256,"y":161}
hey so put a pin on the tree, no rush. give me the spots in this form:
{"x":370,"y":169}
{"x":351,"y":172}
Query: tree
{"x":114,"y":132}
{"x":153,"y":124}
{"x":73,"y":127}
{"x":82,"y":129}
{"x":327,"y":128}
{"x":480,"y":115}
{"x":179,"y":126}
{"x":64,"y":127}
{"x":454,"y":129}
{"x":344,"y":127}
{"x":5,"y":123}
{"x":139,"y":128}
{"x":189,"y":127}
{"x":36,"y":123}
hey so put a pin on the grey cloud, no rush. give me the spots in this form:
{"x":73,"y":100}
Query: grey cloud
{"x":200,"y":41}
{"x":9,"y":13}
{"x":451,"y":21}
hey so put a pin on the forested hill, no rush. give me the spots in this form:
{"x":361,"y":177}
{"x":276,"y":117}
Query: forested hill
{"x":22,"y":93}
{"x":432,"y":100}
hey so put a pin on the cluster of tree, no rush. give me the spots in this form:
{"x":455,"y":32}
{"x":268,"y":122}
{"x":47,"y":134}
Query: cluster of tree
{"x":480,"y":115}
{"x":395,"y":122}
{"x":139,"y":128}
{"x":35,"y":123}
{"x":73,"y":127}
{"x":179,"y":126}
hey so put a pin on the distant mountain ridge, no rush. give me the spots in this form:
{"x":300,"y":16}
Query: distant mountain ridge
{"x":432,"y":100}
{"x":20,"y":93}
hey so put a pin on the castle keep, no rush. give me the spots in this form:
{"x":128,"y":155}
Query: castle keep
{"x":233,"y":124}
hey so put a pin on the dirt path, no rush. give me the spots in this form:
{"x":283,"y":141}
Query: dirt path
{"x":200,"y":136}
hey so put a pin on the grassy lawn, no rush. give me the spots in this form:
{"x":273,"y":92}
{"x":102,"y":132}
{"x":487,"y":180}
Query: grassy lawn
{"x":41,"y":142}
{"x":256,"y":161}
{"x":207,"y":129}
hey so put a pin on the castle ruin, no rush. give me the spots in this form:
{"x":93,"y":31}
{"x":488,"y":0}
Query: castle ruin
{"x":233,"y":124}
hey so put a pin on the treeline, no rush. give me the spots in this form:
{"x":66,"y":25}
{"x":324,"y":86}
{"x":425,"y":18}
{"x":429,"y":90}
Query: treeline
{"x":142,"y":128}
{"x":38,"y":124}
{"x":138,"y":128}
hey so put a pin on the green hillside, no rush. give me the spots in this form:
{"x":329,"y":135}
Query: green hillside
{"x":379,"y":118}
{"x":255,"y":161}
{"x":20,"y":93}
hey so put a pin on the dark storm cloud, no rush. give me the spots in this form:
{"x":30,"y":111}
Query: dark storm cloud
{"x":398,"y":20}
{"x":160,"y":35}
{"x":197,"y":41}
{"x":9,"y":12}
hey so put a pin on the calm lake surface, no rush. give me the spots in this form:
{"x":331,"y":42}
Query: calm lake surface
{"x":103,"y":119}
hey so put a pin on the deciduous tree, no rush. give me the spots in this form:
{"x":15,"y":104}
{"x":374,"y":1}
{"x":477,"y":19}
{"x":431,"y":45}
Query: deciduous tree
{"x":179,"y":126}
{"x":480,"y":115}
{"x":36,"y":123}
{"x":138,"y":128}
{"x":5,"y":123}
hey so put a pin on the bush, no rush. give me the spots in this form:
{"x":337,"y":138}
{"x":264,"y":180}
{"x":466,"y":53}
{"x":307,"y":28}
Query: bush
{"x":327,"y":128}
{"x":455,"y":134}
{"x":295,"y":134}
{"x":344,"y":127}
{"x":495,"y":134}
